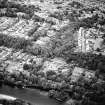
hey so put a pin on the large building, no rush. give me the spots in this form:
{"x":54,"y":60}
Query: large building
{"x":89,"y":40}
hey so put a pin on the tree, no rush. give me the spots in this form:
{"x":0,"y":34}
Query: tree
{"x":26,"y":66}
{"x":50,"y":73}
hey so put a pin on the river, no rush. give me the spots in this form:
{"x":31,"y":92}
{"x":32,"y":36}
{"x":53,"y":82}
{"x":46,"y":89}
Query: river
{"x":34,"y":96}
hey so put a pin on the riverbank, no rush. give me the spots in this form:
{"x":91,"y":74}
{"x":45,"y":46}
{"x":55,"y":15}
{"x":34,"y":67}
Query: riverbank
{"x":10,"y":100}
{"x":59,"y":96}
{"x":31,"y":95}
{"x":77,"y":88}
{"x":6,"y":97}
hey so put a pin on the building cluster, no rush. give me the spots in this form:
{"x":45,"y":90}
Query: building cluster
{"x":79,"y":72}
{"x":41,"y":46}
{"x":13,"y":61}
{"x":57,"y":65}
{"x":16,"y":27}
{"x":6,"y":22}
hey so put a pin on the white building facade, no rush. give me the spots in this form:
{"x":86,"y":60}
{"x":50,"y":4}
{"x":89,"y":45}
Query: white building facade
{"x":88,"y":40}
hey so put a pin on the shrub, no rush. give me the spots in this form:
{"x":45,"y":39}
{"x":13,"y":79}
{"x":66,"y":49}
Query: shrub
{"x":50,"y":73}
{"x":17,"y":43}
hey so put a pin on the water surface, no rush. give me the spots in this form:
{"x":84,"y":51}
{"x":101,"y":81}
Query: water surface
{"x":34,"y":96}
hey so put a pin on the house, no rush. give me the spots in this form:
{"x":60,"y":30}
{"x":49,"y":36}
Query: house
{"x":89,"y":74}
{"x":77,"y":73}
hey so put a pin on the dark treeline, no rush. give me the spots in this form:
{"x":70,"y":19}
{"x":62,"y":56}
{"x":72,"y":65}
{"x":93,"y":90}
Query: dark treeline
{"x":18,"y":8}
{"x":17,"y":43}
{"x":89,"y":61}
